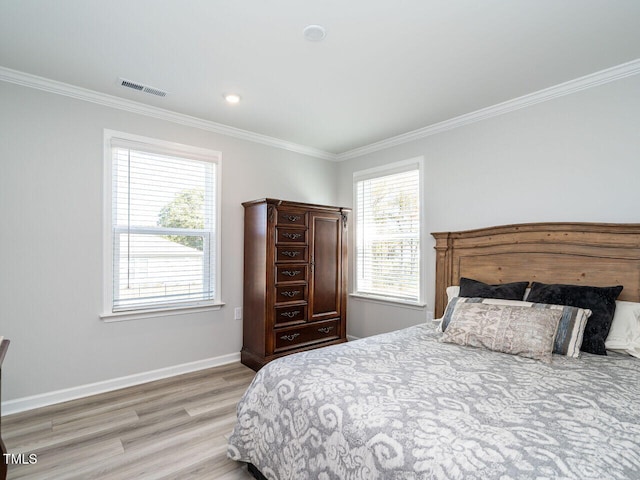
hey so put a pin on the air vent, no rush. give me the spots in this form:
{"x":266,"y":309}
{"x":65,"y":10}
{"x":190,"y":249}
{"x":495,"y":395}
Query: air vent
{"x":142,"y":88}
{"x":154,"y":91}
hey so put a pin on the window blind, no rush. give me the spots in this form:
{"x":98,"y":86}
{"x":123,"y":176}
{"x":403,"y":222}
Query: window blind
{"x":163,"y":227}
{"x":388,"y":235}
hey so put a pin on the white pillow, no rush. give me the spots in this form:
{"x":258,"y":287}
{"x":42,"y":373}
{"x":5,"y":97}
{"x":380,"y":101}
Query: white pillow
{"x":452,"y":292}
{"x":624,"y":335}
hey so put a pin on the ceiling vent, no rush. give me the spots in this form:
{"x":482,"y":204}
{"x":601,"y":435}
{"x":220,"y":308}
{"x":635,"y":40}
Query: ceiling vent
{"x":141,"y":87}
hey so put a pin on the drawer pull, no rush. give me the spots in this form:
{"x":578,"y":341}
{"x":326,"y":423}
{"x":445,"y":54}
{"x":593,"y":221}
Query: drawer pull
{"x":292,"y":236}
{"x":290,"y":314}
{"x":290,"y":294}
{"x":289,"y":254}
{"x":291,"y":273}
{"x":325,"y":329}
{"x":293,"y":218}
{"x":291,"y":337}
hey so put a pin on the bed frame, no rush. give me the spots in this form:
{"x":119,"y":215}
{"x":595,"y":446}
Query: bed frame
{"x":598,"y":254}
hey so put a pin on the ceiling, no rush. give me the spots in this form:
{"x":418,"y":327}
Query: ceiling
{"x":386,"y":67}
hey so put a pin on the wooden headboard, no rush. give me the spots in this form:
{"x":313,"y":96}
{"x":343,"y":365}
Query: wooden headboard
{"x":598,"y":254}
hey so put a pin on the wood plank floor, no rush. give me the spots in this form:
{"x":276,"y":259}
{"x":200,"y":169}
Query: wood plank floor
{"x":175,"y":428}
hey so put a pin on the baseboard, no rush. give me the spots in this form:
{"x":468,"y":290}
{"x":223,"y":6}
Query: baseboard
{"x":351,"y":338}
{"x":59,"y":396}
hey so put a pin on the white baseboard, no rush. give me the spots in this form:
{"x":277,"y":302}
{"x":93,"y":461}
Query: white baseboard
{"x":59,"y":396}
{"x":351,"y":338}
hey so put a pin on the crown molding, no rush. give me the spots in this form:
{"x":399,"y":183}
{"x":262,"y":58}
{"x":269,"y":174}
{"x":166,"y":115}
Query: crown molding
{"x":567,"y":88}
{"x":79,"y":93}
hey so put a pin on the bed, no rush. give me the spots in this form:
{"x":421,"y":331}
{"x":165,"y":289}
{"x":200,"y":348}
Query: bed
{"x":406,"y":405}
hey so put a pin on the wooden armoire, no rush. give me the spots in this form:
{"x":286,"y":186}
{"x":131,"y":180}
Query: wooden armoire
{"x":295,"y":278}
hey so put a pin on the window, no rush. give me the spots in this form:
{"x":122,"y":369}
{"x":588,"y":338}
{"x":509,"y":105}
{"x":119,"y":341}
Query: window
{"x":163,"y":225}
{"x":388,"y":210}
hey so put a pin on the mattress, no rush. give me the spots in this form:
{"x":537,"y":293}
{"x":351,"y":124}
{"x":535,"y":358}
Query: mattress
{"x":404,"y":405}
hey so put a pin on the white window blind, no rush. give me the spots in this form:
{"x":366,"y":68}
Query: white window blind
{"x":388,"y":233}
{"x":164,"y":238}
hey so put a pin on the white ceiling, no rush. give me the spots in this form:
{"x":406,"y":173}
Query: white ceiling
{"x":385,"y":68}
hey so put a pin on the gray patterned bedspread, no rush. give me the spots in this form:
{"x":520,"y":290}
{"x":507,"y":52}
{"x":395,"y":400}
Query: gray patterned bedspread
{"x":405,"y":406}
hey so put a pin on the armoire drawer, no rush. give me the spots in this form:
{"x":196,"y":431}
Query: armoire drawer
{"x":291,"y":235}
{"x":291,"y":217}
{"x":291,"y":273}
{"x":290,"y":313}
{"x":291,"y":254}
{"x":309,"y":333}
{"x":291,"y":293}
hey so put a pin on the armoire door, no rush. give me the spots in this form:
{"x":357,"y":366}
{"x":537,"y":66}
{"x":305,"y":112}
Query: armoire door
{"x":325,"y":288}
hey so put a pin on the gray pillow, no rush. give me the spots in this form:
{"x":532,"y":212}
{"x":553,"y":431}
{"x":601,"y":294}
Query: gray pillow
{"x":518,"y":330}
{"x":570,"y":329}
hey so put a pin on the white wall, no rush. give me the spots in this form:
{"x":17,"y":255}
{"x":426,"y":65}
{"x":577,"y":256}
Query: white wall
{"x":51,"y":187}
{"x":574,"y":158}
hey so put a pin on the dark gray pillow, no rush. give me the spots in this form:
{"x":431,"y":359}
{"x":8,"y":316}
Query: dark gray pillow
{"x":600,"y":300}
{"x":504,"y":291}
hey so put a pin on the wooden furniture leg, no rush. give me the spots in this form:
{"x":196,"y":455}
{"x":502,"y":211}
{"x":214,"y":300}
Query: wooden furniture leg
{"x":3,"y":462}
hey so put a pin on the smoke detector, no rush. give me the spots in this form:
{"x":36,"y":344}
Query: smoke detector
{"x":141,"y":87}
{"x":314,"y":33}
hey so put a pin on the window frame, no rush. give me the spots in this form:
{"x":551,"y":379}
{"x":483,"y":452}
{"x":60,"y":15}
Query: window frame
{"x":382,"y":171}
{"x":165,"y":148}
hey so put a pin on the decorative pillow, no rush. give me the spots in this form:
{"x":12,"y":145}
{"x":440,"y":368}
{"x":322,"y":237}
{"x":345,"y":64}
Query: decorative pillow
{"x":624,"y":336}
{"x":518,"y":330}
{"x":505,"y":291}
{"x":570,"y":329}
{"x":600,"y":300}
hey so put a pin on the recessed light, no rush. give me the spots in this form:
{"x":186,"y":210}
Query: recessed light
{"x":314,"y":33}
{"x":232,"y":97}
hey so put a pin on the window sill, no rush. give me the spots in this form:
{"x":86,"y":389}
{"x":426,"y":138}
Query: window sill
{"x":389,"y":301}
{"x":160,"y":312}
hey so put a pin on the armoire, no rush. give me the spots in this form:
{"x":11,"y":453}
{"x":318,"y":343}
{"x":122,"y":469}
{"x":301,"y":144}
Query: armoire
{"x":295,"y":278}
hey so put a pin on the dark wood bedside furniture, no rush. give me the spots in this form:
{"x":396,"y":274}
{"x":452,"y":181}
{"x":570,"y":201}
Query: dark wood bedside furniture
{"x":3,"y":464}
{"x":295,"y":278}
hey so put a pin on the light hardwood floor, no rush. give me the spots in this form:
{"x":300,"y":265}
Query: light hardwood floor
{"x":175,"y":428}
